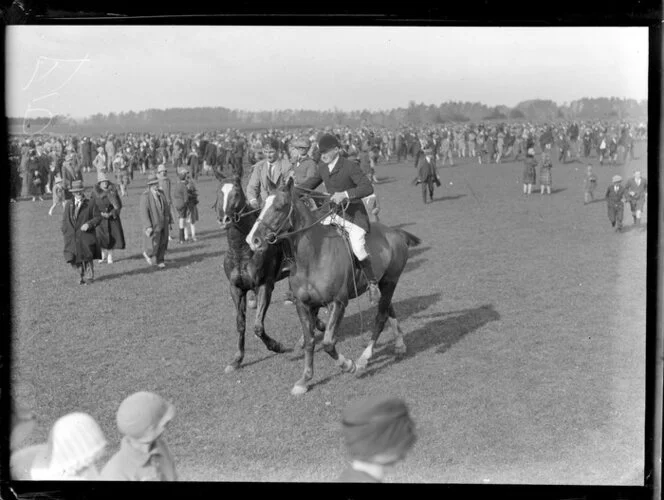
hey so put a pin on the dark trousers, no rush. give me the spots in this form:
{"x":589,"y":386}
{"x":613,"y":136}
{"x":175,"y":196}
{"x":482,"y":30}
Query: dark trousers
{"x":427,"y":186}
{"x":616,"y":215}
{"x":86,"y":270}
{"x":159,"y":245}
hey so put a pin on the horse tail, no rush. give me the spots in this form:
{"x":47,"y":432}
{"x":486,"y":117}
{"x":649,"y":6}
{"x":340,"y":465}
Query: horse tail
{"x":411,"y":239}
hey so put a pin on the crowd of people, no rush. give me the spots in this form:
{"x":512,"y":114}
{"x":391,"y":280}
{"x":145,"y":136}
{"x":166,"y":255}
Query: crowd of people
{"x":378,"y":432}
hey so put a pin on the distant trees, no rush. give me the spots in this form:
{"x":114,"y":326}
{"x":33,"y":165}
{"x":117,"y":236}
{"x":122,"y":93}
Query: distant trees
{"x":194,"y":119}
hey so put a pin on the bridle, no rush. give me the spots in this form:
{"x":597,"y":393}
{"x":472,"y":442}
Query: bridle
{"x":273,"y":234}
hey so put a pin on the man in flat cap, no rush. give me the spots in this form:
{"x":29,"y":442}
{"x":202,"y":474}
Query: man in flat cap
{"x":615,"y":201}
{"x":344,"y":180}
{"x":378,"y":433}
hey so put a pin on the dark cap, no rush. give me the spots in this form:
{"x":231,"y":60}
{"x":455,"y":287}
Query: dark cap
{"x":272,"y":143}
{"x":327,"y":142}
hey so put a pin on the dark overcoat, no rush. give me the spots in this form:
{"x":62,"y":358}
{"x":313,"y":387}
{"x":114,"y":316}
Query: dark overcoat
{"x":80,"y":246}
{"x":110,"y":233}
{"x":345,"y":176}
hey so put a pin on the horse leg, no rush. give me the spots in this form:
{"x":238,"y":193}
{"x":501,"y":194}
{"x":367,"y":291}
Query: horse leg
{"x":329,"y":339}
{"x":239,"y":298}
{"x":384,"y":305}
{"x":307,"y":321}
{"x":263,"y":302}
{"x":399,"y":344}
{"x":319,"y":325}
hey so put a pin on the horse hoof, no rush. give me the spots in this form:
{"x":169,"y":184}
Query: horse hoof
{"x":400,"y":350}
{"x":281,"y":349}
{"x":251,"y":304}
{"x":298,"y":390}
{"x":231,"y":368}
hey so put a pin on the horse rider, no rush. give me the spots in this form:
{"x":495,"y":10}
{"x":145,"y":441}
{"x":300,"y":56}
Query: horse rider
{"x":344,"y":180}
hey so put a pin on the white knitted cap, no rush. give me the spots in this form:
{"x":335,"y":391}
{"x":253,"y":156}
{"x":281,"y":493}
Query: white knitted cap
{"x":75,"y":442}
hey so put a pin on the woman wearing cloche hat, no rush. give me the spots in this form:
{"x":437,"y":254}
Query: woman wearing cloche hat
{"x":110,"y":233}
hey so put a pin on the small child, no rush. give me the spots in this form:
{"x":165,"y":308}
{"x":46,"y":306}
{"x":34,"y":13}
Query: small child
{"x":545,"y":173}
{"x":59,"y":193}
{"x":378,"y":433}
{"x":589,"y":186}
{"x":143,"y":454}
{"x":529,"y":172}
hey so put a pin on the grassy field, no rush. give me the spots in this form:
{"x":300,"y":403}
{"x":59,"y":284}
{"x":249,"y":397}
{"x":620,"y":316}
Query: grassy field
{"x":524,"y":320}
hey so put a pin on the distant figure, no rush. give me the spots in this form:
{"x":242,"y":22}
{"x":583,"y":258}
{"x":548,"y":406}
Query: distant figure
{"x":637,"y":195}
{"x":615,"y":200}
{"x":545,"y":173}
{"x":143,"y":455}
{"x":378,"y":433}
{"x":529,"y":172}
{"x":589,"y":186}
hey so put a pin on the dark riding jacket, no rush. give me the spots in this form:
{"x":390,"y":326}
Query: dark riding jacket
{"x":346,"y":176}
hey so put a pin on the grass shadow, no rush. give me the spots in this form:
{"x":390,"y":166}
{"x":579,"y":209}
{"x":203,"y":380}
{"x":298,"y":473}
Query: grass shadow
{"x":447,"y":198}
{"x":414,"y":264}
{"x":414,"y":252}
{"x":402,"y":225}
{"x":442,"y":333}
{"x":385,"y":180}
{"x":197,"y":257}
{"x":558,"y":190}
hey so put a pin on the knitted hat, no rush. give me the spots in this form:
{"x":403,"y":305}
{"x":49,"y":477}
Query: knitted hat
{"x":142,"y":410}
{"x":377,"y":425}
{"x":152,"y":179}
{"x":75,"y":442}
{"x":76,"y":186}
{"x":327,"y":142}
{"x":616,"y":178}
{"x":101,"y":177}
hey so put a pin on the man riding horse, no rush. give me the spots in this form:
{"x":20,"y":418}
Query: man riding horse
{"x":345,"y":181}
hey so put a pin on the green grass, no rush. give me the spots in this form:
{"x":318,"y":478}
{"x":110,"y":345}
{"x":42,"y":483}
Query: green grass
{"x":524,"y":319}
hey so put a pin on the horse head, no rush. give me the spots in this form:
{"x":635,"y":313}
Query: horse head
{"x":274,"y":219}
{"x":230,"y":202}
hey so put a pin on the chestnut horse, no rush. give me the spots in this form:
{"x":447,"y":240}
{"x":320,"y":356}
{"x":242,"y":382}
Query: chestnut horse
{"x":324,"y":274}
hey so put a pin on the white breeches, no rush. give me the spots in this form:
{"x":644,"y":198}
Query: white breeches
{"x":355,"y":234}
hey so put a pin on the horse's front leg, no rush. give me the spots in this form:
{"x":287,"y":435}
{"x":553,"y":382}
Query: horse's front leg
{"x":239,"y":298}
{"x":263,"y":303}
{"x":329,"y":339}
{"x":307,"y":320}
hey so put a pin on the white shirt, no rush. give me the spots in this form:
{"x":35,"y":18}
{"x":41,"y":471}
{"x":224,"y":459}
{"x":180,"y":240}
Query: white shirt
{"x":333,"y":163}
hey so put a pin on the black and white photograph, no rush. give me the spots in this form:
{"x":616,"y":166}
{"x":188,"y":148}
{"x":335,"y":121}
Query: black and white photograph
{"x":321,"y":254}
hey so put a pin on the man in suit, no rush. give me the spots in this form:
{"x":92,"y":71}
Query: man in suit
{"x":344,"y":180}
{"x":615,"y":199}
{"x":426,"y":174}
{"x":267,"y":174}
{"x":156,"y":218}
{"x":79,"y":220}
{"x":637,"y":194}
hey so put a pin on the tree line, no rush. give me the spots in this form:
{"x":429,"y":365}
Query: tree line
{"x":195,"y":119}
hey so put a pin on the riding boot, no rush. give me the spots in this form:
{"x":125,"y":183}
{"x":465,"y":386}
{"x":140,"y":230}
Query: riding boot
{"x":374,"y":292}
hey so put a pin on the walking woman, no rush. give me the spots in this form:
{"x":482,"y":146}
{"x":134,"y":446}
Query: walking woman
{"x":110,"y":234}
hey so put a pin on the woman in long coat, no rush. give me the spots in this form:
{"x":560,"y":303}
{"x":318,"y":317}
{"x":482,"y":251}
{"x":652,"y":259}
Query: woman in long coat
{"x":110,"y":234}
{"x":78,"y":229}
{"x":529,"y":172}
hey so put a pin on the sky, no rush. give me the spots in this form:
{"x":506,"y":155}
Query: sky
{"x":83,"y":70}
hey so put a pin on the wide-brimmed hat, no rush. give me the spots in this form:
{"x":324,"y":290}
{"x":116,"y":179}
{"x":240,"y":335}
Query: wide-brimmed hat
{"x":152,"y":179}
{"x":142,"y":411}
{"x":101,"y":177}
{"x":616,"y":178}
{"x":161,"y":168}
{"x":76,"y":186}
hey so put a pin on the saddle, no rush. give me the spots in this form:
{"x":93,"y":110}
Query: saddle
{"x":357,"y":268}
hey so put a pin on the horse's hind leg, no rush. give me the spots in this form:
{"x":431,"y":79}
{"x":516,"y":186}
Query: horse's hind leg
{"x":263,"y":303}
{"x":384,"y":307}
{"x":329,"y":340}
{"x":239,"y":298}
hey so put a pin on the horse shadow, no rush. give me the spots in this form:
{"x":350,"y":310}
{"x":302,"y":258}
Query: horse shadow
{"x":402,"y":225}
{"x":414,"y":252}
{"x":414,"y":264}
{"x":443,"y":331}
{"x":447,"y":198}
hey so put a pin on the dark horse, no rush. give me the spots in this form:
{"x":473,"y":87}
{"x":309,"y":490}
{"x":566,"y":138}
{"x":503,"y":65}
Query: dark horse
{"x":323,"y":273}
{"x":245,"y":269}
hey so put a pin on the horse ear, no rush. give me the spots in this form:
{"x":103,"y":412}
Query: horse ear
{"x":290,"y":182}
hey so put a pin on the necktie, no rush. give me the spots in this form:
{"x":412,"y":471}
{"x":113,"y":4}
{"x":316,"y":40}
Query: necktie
{"x":270,"y":170}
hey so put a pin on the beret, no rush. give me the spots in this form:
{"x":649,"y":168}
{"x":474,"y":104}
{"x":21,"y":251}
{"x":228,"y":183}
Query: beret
{"x":327,"y":142}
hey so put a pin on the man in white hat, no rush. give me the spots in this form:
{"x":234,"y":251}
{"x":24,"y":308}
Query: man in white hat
{"x":615,"y":200}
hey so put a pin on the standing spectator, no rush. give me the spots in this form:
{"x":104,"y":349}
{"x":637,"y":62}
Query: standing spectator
{"x":75,"y":443}
{"x":36,"y":175}
{"x":529,"y":172}
{"x":79,"y":220}
{"x":378,"y":433}
{"x":110,"y":152}
{"x":545,"y":173}
{"x":637,"y":195}
{"x":589,"y":186}
{"x":192,"y":163}
{"x":238,"y":155}
{"x":603,"y":149}
{"x":59,"y":194}
{"x":156,"y":217}
{"x":86,"y":154}
{"x":143,"y":455}
{"x":165,"y":186}
{"x":100,"y":161}
{"x":110,"y":234}
{"x":426,"y":174}
{"x":615,"y":200}
{"x":267,"y":174}
{"x":182,"y":204}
